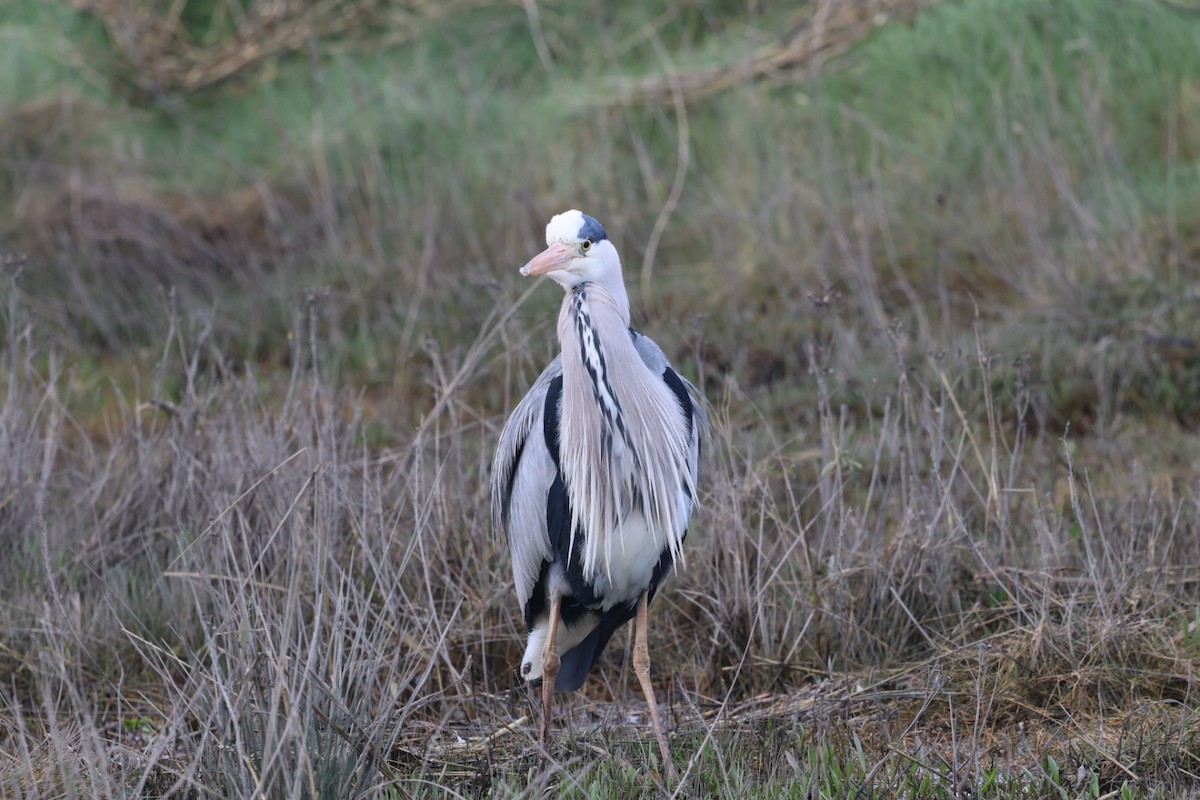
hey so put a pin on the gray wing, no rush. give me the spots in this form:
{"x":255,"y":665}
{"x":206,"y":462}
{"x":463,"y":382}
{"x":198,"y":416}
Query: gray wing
{"x":522,"y":473}
{"x":656,"y":360}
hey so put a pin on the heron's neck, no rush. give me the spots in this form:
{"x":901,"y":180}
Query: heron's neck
{"x":599,"y":300}
{"x":593,"y":328}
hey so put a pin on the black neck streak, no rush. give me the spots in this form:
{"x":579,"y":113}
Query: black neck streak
{"x":591,"y":352}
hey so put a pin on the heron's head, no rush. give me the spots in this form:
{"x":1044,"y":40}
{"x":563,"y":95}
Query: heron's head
{"x":578,"y":251}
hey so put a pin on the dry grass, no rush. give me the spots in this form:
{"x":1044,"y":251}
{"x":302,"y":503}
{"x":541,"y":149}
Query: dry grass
{"x":237,"y":595}
{"x":950,"y":521}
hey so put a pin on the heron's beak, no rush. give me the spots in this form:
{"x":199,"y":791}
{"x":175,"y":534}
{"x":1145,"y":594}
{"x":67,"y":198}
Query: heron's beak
{"x":556,"y":256}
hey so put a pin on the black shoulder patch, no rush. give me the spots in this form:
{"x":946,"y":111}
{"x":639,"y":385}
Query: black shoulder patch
{"x":592,"y":229}
{"x":550,"y":418}
{"x":681,"y":394}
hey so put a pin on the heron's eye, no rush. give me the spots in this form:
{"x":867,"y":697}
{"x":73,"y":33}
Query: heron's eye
{"x":587,"y":245}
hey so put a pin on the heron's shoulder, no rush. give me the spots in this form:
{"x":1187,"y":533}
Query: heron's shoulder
{"x":652,"y":355}
{"x":528,"y":411}
{"x":537,"y":392}
{"x":552,"y":371}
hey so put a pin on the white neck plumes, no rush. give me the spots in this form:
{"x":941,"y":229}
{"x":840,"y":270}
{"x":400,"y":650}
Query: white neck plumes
{"x":624,"y":437}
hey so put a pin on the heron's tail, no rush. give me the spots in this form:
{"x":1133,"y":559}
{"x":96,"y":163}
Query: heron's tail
{"x":577,"y":662}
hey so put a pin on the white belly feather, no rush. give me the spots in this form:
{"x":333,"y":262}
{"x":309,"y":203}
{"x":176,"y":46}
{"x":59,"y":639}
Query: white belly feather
{"x":630,"y":555}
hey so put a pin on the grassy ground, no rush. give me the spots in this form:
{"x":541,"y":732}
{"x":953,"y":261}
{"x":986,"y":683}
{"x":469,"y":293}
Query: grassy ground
{"x":933,"y":263}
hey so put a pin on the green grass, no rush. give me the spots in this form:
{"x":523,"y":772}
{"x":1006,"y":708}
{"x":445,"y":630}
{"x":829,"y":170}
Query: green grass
{"x":940,"y":294}
{"x":770,"y":761}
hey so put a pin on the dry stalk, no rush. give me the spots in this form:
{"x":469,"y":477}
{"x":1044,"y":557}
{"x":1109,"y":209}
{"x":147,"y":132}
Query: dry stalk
{"x":165,"y":56}
{"x":821,"y":32}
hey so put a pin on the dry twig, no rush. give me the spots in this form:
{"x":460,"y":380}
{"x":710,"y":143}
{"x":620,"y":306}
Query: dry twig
{"x":165,"y":55}
{"x":823,"y":31}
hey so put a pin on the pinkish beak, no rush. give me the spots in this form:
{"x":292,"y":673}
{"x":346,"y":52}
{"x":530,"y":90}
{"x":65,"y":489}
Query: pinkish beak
{"x":556,"y":256}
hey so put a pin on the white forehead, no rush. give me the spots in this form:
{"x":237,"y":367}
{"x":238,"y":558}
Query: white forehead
{"x":564,"y":227}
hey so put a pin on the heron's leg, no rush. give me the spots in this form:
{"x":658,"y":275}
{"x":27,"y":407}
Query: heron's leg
{"x":641,"y":666}
{"x":550,"y":663}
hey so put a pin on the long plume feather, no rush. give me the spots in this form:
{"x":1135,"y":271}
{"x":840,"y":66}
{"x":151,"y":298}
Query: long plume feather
{"x":625,"y":439}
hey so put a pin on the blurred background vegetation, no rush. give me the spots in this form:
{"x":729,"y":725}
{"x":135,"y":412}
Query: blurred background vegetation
{"x":1026,"y":165}
{"x":872,"y":230}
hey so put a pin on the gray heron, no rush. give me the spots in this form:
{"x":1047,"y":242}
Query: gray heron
{"x":594,"y":476}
